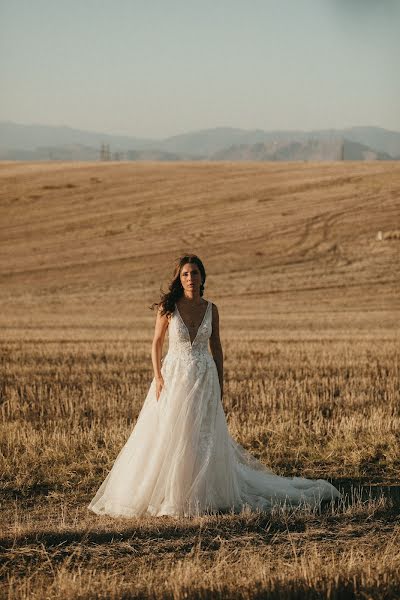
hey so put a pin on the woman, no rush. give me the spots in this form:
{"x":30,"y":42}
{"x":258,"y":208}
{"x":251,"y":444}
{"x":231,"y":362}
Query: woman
{"x":180,"y":458}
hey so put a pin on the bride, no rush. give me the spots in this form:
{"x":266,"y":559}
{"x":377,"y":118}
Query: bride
{"x":180,"y":458}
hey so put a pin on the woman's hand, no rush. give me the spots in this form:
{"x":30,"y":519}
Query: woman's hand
{"x":159,"y":386}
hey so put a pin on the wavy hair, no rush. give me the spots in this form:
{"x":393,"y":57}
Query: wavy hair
{"x":175,"y":289}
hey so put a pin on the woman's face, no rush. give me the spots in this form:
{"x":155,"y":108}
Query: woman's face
{"x":191,"y":278}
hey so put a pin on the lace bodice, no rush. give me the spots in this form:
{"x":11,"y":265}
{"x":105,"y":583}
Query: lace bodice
{"x":180,"y":346}
{"x":179,"y":338}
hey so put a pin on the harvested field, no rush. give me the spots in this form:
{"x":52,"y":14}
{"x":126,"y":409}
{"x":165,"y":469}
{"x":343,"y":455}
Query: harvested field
{"x":308,"y":295}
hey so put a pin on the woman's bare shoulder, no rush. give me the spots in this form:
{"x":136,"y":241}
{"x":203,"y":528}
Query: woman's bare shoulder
{"x":163,"y":317}
{"x":213,"y":304}
{"x":214,"y":308}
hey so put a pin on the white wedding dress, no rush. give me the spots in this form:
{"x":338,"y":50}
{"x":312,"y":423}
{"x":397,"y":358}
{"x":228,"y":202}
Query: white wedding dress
{"x":180,"y":458}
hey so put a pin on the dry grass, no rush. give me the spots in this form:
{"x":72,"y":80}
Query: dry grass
{"x":339,"y":554}
{"x":309,"y":309}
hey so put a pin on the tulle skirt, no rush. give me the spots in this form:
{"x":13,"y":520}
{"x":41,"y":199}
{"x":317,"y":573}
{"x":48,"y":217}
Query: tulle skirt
{"x":181,"y":460}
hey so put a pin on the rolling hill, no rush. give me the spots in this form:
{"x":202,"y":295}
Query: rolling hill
{"x":312,"y":149}
{"x":38,"y":142}
{"x":291,"y":249}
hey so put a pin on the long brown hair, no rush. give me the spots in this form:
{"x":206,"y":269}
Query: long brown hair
{"x":175,"y":289}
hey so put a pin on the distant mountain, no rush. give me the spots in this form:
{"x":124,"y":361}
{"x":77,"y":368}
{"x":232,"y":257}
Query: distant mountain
{"x":355,"y":151}
{"x":312,"y":149}
{"x":44,"y":142}
{"x":210,"y":141}
{"x":14,"y":136}
{"x":377,"y":138}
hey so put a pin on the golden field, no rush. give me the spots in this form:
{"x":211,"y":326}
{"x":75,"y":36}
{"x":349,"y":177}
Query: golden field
{"x":309,"y":305}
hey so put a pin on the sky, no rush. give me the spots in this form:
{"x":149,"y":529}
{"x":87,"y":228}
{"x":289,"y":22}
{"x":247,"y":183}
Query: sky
{"x":156,"y":68}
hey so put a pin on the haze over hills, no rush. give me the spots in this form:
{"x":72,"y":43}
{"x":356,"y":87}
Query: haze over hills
{"x":15,"y":136}
{"x":312,"y":149}
{"x":43,"y":142}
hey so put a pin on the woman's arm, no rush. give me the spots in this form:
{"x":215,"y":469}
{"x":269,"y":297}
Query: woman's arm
{"x":216,"y":348}
{"x":156,"y":349}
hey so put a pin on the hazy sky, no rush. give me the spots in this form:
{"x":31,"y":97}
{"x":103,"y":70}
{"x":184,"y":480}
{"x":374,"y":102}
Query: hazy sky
{"x":156,"y":68}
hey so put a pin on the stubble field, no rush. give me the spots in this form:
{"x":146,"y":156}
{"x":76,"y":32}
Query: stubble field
{"x":309,"y":307}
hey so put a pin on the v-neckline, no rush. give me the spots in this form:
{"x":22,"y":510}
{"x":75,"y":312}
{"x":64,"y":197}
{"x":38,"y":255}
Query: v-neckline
{"x":199,"y":327}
